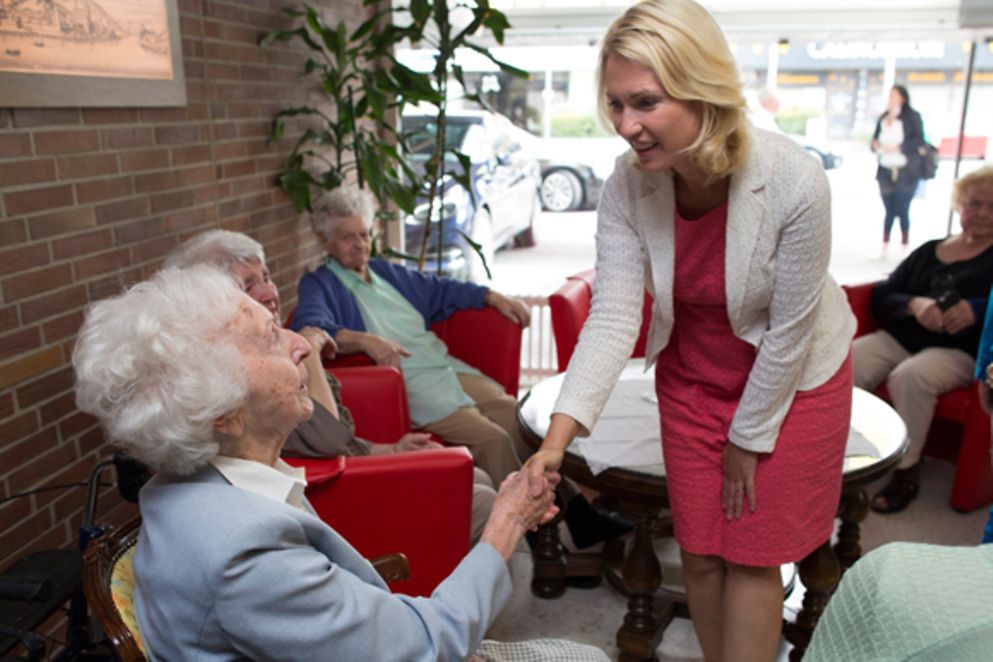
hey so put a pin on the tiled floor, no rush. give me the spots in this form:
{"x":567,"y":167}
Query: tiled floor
{"x":593,"y":616}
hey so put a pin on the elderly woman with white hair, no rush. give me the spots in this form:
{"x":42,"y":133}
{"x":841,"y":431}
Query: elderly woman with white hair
{"x":199,"y":381}
{"x":384,"y":309}
{"x":330,"y":431}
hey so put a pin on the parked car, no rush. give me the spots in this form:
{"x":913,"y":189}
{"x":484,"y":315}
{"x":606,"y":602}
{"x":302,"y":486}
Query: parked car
{"x":827,"y":158}
{"x":505,"y":206}
{"x":568,"y":186}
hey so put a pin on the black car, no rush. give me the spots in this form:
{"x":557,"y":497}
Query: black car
{"x":826,"y":157}
{"x":504,"y":208}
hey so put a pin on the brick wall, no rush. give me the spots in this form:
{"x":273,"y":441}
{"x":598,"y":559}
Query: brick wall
{"x":92,"y":198}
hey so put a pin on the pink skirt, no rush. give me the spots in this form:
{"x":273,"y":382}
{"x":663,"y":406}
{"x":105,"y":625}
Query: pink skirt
{"x":797,"y":486}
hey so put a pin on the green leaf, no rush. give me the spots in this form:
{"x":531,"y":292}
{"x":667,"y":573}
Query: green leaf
{"x":297,"y":184}
{"x":306,"y":38}
{"x":392,"y":252}
{"x":420,"y":10}
{"x":341,"y":39}
{"x":331,"y":179}
{"x":368,"y":25}
{"x":496,"y":21}
{"x":310,"y":66}
{"x":277,"y":129}
{"x":416,"y":84}
{"x":504,"y":67}
{"x":478,"y":249}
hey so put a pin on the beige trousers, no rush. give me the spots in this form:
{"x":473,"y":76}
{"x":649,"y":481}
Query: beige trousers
{"x":914,"y":381}
{"x":483,"y":496}
{"x":489,"y":430}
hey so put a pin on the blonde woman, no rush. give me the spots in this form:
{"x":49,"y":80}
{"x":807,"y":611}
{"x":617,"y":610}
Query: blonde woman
{"x":728,"y":227}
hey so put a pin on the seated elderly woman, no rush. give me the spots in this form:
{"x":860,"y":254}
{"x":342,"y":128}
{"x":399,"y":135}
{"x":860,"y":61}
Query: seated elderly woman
{"x":330,"y":431}
{"x":928,"y":310}
{"x":200,"y":382}
{"x":384,"y":309}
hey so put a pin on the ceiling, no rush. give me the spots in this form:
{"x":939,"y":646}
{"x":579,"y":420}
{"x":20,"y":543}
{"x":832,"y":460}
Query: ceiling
{"x":580,"y":20}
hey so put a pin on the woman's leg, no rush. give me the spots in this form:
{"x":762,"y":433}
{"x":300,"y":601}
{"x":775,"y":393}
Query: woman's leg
{"x":753,"y":613}
{"x":889,"y":205}
{"x":874,"y":356}
{"x":902,"y":200}
{"x":704,"y":577}
{"x":915,"y":385}
{"x":914,"y":388}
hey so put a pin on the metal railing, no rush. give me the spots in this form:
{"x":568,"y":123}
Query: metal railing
{"x":538,"y":357}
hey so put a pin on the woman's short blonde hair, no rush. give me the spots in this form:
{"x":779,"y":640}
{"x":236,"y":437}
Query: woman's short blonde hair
{"x":682,"y":44}
{"x":981,"y":178}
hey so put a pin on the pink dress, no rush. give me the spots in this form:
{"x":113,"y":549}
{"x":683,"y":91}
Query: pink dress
{"x":699,"y":379}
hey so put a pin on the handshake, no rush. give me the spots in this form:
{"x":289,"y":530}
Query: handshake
{"x":523,"y":503}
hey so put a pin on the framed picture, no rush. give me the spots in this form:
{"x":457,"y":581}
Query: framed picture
{"x":90,"y":53}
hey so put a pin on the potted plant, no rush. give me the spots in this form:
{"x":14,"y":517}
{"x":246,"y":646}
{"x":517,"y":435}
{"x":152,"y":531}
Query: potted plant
{"x":368,"y":87}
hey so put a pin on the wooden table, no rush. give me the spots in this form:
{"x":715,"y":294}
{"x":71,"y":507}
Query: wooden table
{"x":639,"y":492}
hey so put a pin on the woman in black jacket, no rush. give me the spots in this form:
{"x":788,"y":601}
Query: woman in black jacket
{"x":898,"y":137}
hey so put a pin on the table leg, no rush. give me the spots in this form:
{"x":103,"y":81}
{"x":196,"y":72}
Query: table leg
{"x":644,"y":622}
{"x":820,"y":573}
{"x":549,"y":561}
{"x":852,"y":511}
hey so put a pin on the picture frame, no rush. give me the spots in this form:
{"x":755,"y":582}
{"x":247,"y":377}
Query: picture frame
{"x":103,"y":53}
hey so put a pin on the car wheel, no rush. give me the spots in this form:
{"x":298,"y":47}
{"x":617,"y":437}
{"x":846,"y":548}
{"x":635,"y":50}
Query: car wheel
{"x":817,"y":155}
{"x":482,"y":234}
{"x":561,"y":190}
{"x":529,"y":237}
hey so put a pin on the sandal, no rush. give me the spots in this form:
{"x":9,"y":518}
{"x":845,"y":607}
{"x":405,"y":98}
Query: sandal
{"x":899,"y":492}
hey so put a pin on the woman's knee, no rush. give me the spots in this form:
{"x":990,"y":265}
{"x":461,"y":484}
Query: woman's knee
{"x":923,"y":377}
{"x":753,"y":572}
{"x":696,"y":566}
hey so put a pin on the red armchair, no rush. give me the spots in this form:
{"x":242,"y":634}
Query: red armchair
{"x":415,"y":503}
{"x":570,"y":306}
{"x":377,"y":399}
{"x":973,"y":483}
{"x":481,"y":337}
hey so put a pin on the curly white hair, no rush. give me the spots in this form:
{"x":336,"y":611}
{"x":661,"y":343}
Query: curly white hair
{"x":156,"y":366}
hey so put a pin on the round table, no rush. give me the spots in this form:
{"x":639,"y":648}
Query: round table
{"x":876,"y":444}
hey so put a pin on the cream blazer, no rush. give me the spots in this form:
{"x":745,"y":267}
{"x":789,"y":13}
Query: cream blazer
{"x":779,"y":295}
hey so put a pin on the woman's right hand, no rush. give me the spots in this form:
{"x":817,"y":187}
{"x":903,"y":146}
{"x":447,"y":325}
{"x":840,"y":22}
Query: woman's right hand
{"x":927,"y":313}
{"x":383,"y":351}
{"x":543,"y":461}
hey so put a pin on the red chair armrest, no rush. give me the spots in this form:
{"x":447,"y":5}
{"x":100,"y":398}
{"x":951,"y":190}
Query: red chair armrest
{"x":348,"y":361}
{"x":860,"y":301}
{"x":377,"y":398}
{"x":569,"y":307}
{"x":416,"y":503}
{"x":487,"y":341}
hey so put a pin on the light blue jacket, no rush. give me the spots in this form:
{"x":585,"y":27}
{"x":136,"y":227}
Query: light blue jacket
{"x":225,"y":574}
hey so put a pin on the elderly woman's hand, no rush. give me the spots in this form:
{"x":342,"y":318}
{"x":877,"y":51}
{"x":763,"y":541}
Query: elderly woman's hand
{"x":382,"y":350}
{"x":512,"y":309}
{"x":520,"y":506}
{"x":320,"y":341}
{"x":958,"y":317}
{"x":415,"y":441}
{"x":927,"y":313}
